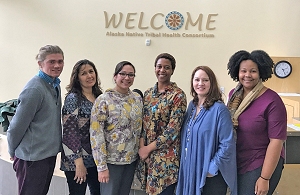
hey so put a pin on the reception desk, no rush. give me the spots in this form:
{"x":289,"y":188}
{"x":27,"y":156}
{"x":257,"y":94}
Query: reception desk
{"x":292,"y":146}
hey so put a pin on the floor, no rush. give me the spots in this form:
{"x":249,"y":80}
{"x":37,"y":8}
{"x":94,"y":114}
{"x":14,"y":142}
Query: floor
{"x":288,"y":185}
{"x":8,"y":183}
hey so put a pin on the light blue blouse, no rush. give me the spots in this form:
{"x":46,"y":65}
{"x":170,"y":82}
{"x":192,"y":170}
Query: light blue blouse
{"x":209,"y":148}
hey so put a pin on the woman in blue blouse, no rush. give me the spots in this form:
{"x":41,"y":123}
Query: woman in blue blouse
{"x":208,"y":154}
{"x":77,"y":160}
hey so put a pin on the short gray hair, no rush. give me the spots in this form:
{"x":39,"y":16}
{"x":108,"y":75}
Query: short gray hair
{"x":47,"y":50}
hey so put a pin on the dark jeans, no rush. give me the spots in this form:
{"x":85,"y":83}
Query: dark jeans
{"x":91,"y":181}
{"x":120,"y":179}
{"x":170,"y":190}
{"x":215,"y":185}
{"x":247,"y":181}
{"x":34,"y":177}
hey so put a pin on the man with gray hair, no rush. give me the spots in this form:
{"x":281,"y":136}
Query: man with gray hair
{"x":34,"y":134}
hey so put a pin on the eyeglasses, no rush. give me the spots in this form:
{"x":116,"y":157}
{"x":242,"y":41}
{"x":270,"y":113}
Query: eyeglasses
{"x":123,"y":75}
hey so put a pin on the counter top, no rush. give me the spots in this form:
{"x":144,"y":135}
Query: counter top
{"x":292,"y":132}
{"x":289,"y":94}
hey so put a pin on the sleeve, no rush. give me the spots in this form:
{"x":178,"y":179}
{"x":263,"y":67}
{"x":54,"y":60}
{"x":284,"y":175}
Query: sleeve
{"x":99,"y":115}
{"x":226,"y":149}
{"x":277,"y":119}
{"x":30,"y":101}
{"x":143,"y":132}
{"x":172,"y":130}
{"x":71,"y":132}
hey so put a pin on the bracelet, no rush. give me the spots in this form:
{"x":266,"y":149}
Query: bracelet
{"x":264,"y":178}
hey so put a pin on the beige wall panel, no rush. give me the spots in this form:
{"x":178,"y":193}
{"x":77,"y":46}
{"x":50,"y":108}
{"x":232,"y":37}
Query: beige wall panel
{"x":79,"y":28}
{"x":291,"y":84}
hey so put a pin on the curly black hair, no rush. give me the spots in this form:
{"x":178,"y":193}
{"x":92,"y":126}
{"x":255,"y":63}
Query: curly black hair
{"x":264,"y":63}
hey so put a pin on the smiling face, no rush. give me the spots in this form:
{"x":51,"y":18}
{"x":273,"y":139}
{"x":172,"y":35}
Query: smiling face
{"x":124,"y":79}
{"x":201,"y":83}
{"x":163,"y":71}
{"x":52,"y":65}
{"x":248,"y":74}
{"x":87,"y":76}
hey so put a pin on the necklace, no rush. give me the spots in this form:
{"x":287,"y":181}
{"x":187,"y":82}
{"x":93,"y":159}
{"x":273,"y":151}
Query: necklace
{"x":198,"y":110}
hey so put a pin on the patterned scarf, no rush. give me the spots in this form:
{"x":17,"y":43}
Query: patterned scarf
{"x":237,"y":104}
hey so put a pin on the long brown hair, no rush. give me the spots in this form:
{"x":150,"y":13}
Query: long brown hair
{"x":214,"y":94}
{"x":75,"y":87}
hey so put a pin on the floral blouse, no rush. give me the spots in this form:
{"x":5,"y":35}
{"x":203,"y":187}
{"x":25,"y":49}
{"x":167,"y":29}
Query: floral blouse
{"x":116,"y":124}
{"x":162,"y":120}
{"x":76,"y":134}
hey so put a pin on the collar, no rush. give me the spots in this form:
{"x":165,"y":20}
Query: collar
{"x":167,"y":89}
{"x":54,"y":82}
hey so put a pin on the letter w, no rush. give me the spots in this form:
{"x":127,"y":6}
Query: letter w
{"x":112,"y":20}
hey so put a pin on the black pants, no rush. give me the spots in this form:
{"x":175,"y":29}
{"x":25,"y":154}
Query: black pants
{"x":170,"y":190}
{"x":247,"y":181}
{"x":91,"y":181}
{"x":215,"y":185}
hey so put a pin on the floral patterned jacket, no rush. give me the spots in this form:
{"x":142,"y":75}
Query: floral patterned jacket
{"x":162,"y":120}
{"x":76,"y":134}
{"x":116,"y":124}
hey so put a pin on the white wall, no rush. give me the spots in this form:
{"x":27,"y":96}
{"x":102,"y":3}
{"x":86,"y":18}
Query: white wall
{"x":78,"y":27}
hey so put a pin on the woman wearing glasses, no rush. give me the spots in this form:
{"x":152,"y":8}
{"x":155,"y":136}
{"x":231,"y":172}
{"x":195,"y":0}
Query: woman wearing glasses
{"x":116,"y":123}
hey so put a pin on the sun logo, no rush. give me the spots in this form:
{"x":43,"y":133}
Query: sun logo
{"x":174,"y":20}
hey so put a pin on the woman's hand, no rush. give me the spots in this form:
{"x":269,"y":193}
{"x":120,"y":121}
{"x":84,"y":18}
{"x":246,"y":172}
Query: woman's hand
{"x":103,"y":176}
{"x":269,"y":165}
{"x":80,"y":171}
{"x":144,"y":152}
{"x":261,"y":186}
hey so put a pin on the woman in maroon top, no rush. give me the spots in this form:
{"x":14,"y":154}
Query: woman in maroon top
{"x":260,"y":122}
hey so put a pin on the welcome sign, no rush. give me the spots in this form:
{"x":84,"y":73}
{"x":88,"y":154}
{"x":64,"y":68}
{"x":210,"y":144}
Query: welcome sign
{"x":172,"y":21}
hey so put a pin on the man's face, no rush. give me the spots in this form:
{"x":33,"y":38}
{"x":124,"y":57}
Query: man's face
{"x":52,"y":65}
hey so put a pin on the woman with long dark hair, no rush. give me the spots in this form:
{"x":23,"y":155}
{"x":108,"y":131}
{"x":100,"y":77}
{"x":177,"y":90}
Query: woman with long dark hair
{"x":77,"y":160}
